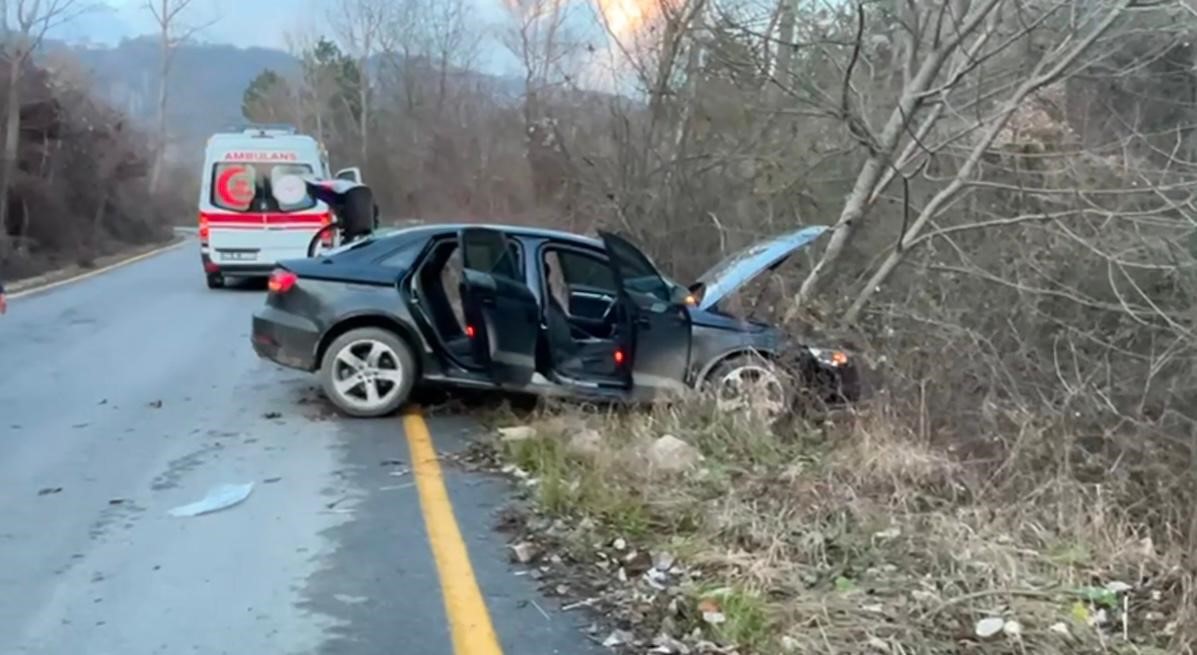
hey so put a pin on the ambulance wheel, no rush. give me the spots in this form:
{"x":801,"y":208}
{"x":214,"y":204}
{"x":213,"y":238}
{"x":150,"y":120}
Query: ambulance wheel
{"x":215,"y":281}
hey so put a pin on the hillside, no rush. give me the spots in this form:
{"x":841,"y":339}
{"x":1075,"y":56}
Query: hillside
{"x":208,"y":82}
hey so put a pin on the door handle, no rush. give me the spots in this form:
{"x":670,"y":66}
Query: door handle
{"x":488,"y":300}
{"x":643,"y":322}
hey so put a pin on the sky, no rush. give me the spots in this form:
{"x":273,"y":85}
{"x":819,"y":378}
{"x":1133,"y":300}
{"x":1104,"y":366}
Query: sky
{"x":239,"y":22}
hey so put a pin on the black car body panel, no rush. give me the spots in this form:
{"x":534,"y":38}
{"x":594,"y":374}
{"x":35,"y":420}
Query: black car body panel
{"x":635,"y":333}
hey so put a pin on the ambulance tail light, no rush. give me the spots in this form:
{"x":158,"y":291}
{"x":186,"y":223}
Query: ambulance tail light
{"x":204,"y":229}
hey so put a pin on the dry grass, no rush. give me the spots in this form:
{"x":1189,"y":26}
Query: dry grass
{"x":861,"y":536}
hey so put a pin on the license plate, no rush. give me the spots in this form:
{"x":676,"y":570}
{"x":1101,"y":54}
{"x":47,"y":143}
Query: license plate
{"x":238,"y":256}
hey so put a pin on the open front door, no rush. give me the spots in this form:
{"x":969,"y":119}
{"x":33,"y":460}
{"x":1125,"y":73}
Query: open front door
{"x":656,"y":327}
{"x":502,"y":315}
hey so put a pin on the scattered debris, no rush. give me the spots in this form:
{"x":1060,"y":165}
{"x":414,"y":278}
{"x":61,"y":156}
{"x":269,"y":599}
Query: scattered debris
{"x":876,"y":643}
{"x":336,"y":502}
{"x":396,"y":487}
{"x":49,"y":490}
{"x":116,"y":501}
{"x":618,"y":638}
{"x":619,"y":544}
{"x":524,"y":552}
{"x":888,"y":535}
{"x":271,"y":480}
{"x":1012,"y":628}
{"x":989,"y":627}
{"x":517,"y":433}
{"x":350,"y":600}
{"x":663,"y":561}
{"x":541,"y":610}
{"x":272,"y":415}
{"x":78,"y":426}
{"x":218,"y":498}
{"x":1118,"y":587}
{"x":157,"y":404}
{"x":391,"y":462}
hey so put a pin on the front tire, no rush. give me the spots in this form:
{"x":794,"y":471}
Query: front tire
{"x":368,"y":372}
{"x":752,"y":384}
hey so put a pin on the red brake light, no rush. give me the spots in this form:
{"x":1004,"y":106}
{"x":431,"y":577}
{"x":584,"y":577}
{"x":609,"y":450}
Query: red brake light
{"x":327,"y":237}
{"x":470,"y":331}
{"x":282,"y":281}
{"x":618,"y":356}
{"x":203,"y":228}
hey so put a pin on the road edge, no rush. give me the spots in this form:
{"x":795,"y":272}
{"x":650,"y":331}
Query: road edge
{"x":48,"y":281}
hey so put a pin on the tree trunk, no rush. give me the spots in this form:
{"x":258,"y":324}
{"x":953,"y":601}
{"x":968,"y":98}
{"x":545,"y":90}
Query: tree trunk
{"x":882,"y":151}
{"x":12,"y":142}
{"x":364,"y":92}
{"x":163,"y":74}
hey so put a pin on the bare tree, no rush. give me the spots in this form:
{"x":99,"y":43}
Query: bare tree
{"x":168,"y":15}
{"x":360,"y":25}
{"x":33,"y":19}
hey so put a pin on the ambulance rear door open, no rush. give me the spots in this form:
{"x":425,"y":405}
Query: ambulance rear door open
{"x":248,"y":230}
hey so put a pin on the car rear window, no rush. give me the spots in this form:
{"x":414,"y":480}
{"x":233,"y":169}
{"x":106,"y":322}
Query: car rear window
{"x":246,"y":186}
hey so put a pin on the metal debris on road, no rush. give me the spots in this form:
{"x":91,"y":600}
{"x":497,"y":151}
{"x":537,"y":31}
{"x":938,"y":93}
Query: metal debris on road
{"x":271,"y":480}
{"x":49,"y":490}
{"x":218,"y":498}
{"x":272,"y":415}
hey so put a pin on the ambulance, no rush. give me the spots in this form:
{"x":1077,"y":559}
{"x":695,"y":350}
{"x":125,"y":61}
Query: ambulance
{"x":254,"y":208}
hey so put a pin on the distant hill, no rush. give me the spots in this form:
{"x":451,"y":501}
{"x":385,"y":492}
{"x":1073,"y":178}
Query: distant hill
{"x":208,"y":80}
{"x":206,"y":86}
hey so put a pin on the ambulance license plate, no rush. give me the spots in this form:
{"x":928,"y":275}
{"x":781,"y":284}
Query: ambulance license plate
{"x":238,"y":255}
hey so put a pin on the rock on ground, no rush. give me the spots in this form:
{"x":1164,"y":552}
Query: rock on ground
{"x":669,"y":454}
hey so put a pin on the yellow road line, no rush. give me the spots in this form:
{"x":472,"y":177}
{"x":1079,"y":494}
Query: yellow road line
{"x":469,"y":620}
{"x":99,"y":271}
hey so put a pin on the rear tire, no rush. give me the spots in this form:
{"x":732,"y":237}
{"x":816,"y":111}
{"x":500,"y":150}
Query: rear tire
{"x":368,"y":372}
{"x":215,"y":281}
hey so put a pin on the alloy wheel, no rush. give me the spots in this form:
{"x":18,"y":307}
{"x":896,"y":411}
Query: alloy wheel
{"x":754,"y":388}
{"x":367,"y":374}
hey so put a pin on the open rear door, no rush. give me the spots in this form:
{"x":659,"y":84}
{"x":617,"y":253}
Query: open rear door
{"x":656,"y":328}
{"x":502,"y":315}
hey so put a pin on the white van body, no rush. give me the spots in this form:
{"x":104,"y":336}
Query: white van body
{"x":243,"y":228}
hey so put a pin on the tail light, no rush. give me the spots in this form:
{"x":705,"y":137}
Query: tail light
{"x":470,"y":331}
{"x":619,"y":357}
{"x":327,"y":238}
{"x":204,"y":230}
{"x":281,"y":281}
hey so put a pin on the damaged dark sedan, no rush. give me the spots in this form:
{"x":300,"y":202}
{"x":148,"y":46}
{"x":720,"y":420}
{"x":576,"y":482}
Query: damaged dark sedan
{"x":534,"y":311}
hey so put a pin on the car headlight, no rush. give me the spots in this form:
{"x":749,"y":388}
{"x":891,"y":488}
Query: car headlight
{"x":829,"y":357}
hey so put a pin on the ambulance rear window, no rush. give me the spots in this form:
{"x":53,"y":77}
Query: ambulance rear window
{"x":246,"y":186}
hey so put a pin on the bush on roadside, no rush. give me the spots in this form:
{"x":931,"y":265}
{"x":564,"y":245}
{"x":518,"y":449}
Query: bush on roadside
{"x":860,"y":534}
{"x":81,"y":188}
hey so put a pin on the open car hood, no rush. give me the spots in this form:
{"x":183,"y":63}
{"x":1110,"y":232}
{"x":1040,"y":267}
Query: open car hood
{"x":741,"y":267}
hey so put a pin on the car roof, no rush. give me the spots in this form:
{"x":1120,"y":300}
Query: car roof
{"x":437,"y":229}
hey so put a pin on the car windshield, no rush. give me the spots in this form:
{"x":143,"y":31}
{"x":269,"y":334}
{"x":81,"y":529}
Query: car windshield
{"x":248,"y":187}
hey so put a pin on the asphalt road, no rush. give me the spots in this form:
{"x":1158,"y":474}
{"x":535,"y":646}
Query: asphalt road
{"x":133,"y":392}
